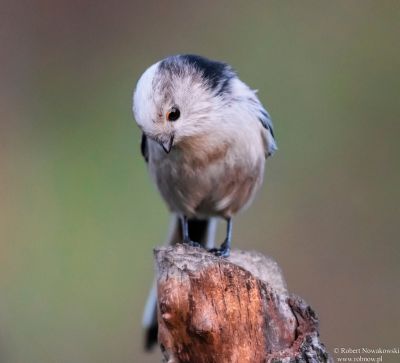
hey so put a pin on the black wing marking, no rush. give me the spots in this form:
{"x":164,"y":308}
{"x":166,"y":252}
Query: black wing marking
{"x":266,"y":121}
{"x":144,"y":148}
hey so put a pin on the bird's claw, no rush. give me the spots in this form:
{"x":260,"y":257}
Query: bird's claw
{"x":192,"y":244}
{"x":223,"y":251}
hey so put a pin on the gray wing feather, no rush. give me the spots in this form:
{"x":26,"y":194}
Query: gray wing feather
{"x":266,"y":121}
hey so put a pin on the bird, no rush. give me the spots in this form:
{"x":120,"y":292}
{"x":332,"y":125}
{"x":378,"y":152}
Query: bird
{"x":205,"y":138}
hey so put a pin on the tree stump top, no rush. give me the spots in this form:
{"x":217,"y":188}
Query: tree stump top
{"x":212,"y":309}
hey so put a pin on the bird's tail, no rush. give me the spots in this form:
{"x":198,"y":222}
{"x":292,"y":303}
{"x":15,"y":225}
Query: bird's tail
{"x":201,"y":231}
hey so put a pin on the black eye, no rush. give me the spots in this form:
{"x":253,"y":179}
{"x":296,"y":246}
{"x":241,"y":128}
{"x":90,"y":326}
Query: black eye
{"x":173,"y":114}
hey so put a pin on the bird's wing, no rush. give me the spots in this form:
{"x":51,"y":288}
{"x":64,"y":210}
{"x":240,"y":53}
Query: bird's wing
{"x":144,"y":148}
{"x":266,"y":121}
{"x":252,"y":103}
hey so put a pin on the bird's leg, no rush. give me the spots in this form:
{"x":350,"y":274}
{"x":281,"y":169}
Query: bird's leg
{"x":185,"y":233}
{"x":225,"y":248}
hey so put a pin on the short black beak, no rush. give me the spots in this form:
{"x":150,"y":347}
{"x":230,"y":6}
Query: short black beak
{"x":167,"y":144}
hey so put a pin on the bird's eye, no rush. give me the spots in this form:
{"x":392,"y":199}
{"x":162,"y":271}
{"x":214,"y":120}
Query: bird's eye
{"x":173,"y":114}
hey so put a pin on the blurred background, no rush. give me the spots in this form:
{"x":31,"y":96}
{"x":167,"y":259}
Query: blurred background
{"x":79,"y":217}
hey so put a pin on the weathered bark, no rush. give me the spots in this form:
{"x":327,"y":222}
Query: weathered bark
{"x":212,"y":309}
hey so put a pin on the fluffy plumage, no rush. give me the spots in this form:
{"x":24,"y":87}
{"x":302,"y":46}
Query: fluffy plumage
{"x":216,"y":163}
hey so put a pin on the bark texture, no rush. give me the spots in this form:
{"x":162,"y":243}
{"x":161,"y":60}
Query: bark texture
{"x":212,"y":309}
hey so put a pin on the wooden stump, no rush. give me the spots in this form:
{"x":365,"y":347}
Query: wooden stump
{"x":212,"y":309}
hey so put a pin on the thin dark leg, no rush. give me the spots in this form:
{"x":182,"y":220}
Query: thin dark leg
{"x":225,"y":248}
{"x":185,"y":233}
{"x":185,"y":229}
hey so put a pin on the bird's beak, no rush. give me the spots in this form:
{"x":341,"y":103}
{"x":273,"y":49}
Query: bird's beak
{"x":167,"y":143}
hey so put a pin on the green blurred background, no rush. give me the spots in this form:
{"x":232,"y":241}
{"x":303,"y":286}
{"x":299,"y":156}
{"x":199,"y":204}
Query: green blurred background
{"x":79,"y":216}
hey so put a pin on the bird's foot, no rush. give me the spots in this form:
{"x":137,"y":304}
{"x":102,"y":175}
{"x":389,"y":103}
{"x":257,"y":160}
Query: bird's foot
{"x":192,"y":243}
{"x":223,"y":251}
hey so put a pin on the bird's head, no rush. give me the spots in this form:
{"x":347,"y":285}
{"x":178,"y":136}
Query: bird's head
{"x":180,"y":97}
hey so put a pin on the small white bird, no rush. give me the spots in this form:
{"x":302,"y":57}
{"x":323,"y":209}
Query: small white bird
{"x":206,"y":137}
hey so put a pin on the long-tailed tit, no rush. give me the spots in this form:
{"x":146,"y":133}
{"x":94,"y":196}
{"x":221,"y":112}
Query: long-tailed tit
{"x":205,"y":139}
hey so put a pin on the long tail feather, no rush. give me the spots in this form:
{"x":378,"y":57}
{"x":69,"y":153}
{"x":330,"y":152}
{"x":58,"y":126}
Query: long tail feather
{"x":201,"y":231}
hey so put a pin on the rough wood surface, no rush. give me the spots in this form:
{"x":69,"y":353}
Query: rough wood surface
{"x":238,"y":309}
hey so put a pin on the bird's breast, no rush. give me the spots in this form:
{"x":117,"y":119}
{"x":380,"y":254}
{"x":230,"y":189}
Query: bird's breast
{"x":201,"y":178}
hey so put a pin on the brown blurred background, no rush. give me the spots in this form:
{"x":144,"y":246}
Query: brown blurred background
{"x":79,"y":217}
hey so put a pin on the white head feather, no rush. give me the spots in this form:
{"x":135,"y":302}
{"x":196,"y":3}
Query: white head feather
{"x":208,"y":94}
